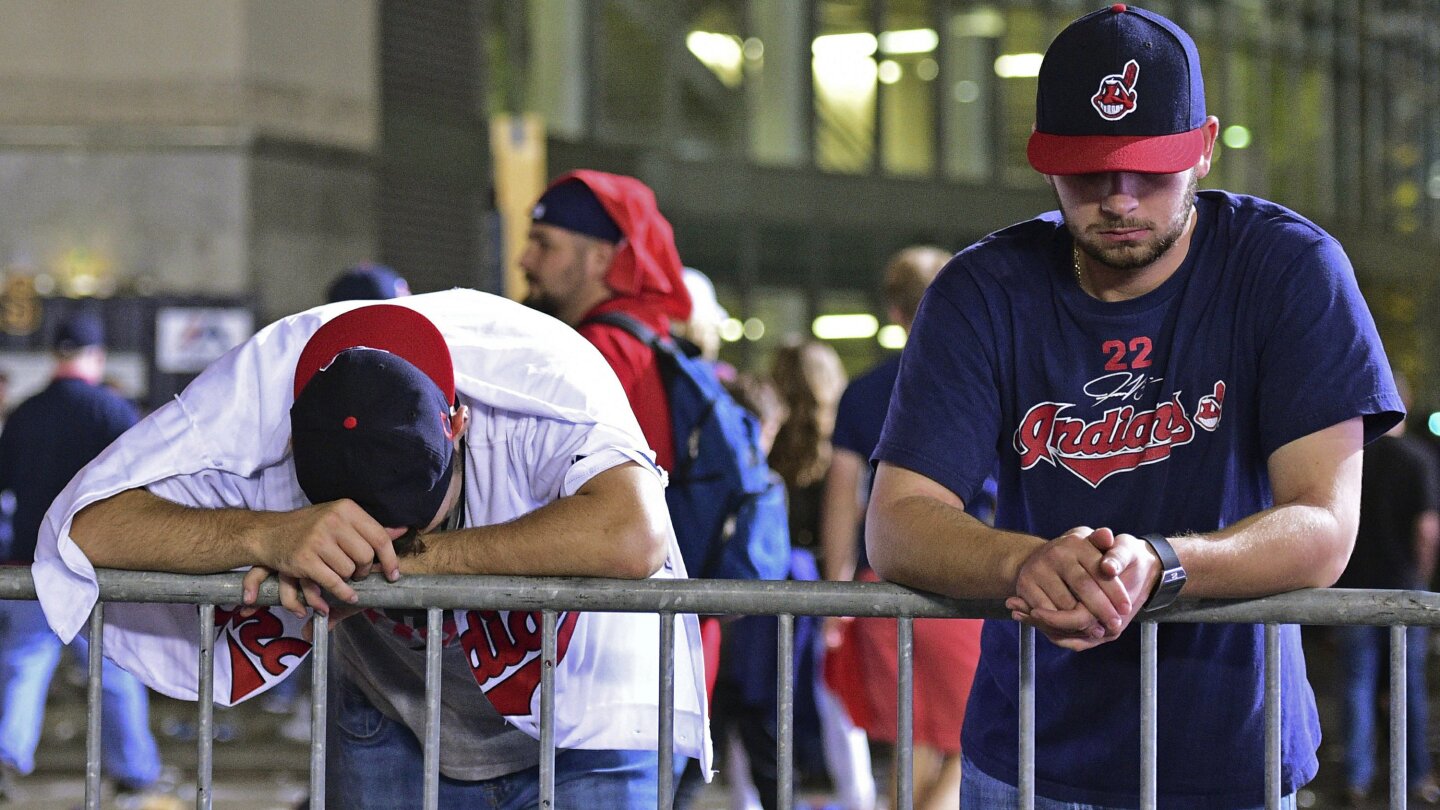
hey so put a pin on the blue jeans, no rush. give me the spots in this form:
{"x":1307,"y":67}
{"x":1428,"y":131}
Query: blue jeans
{"x":378,"y":763}
{"x":1365,"y":661}
{"x":29,"y":653}
{"x":980,"y":791}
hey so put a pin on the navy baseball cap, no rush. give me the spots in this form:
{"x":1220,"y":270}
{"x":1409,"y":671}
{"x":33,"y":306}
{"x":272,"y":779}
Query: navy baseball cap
{"x":374,"y":388}
{"x":77,"y":330}
{"x":1120,"y":90}
{"x":572,"y":205}
{"x":365,"y":282}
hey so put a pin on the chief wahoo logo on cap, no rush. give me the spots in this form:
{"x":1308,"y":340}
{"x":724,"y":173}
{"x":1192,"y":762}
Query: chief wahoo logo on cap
{"x":1116,"y":97}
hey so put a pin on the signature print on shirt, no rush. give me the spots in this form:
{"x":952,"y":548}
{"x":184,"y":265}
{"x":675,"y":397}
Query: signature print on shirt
{"x":1122,"y":439}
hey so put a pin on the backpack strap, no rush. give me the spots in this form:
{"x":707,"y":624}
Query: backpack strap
{"x":628,"y":323}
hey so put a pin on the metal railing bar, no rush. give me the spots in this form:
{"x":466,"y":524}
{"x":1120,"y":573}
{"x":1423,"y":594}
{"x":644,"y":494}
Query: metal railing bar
{"x":1316,"y":606}
{"x":665,"y":739}
{"x":785,"y":722}
{"x":205,"y":710}
{"x":434,"y":632}
{"x":1399,"y":717}
{"x":905,"y":708}
{"x":1149,"y":698}
{"x":95,"y":666}
{"x":1272,"y":717}
{"x":319,"y":705}
{"x":547,"y":709}
{"x":1027,"y":718}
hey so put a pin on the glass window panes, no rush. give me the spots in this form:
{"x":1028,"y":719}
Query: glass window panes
{"x":909,"y":67}
{"x":971,"y":46}
{"x":845,"y":72}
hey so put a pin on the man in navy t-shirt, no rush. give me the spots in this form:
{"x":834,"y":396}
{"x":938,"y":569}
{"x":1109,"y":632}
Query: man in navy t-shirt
{"x":1177,"y":386}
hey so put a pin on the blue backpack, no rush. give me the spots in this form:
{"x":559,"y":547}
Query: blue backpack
{"x":728,"y":508}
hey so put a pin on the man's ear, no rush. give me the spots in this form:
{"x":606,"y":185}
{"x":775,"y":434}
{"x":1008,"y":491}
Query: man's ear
{"x":459,"y":421}
{"x":599,"y":257}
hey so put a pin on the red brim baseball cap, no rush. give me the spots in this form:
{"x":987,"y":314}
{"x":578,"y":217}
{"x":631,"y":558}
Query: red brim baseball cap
{"x":371,"y":419}
{"x":1086,"y":154}
{"x":1120,"y":89}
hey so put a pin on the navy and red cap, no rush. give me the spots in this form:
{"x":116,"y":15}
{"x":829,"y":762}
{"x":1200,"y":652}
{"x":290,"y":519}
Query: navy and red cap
{"x":374,"y":390}
{"x":367,"y":282}
{"x":1120,"y":90}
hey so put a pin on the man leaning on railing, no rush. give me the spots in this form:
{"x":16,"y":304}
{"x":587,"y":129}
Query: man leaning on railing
{"x":449,"y":433}
{"x":1178,"y":386}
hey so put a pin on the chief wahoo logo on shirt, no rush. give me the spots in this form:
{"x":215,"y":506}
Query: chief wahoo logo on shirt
{"x":1122,"y":439}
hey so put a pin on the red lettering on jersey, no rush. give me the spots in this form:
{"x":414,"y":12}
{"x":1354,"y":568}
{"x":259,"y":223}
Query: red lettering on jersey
{"x":259,"y":638}
{"x":1121,"y":439}
{"x":494,"y":645}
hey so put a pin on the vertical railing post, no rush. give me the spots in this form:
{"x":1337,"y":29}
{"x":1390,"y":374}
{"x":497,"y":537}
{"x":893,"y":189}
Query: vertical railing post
{"x":1149,"y":636}
{"x":93,"y":713}
{"x":1027,"y":717}
{"x":1272,"y":717}
{"x":319,"y":705}
{"x":547,"y":710}
{"x":434,"y":633}
{"x":665,"y":732}
{"x":205,"y":711}
{"x":1399,"y":717}
{"x":785,"y":722}
{"x":905,"y":708}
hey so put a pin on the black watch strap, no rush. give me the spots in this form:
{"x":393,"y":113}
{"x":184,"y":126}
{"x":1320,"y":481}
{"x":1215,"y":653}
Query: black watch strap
{"x":1172,"y":573}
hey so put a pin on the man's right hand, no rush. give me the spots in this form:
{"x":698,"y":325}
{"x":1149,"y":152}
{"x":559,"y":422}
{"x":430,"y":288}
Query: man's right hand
{"x":325,"y":545}
{"x":1062,"y":590}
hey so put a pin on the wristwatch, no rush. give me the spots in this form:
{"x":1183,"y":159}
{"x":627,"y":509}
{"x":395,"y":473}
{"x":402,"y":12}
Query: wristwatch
{"x":1172,"y":573}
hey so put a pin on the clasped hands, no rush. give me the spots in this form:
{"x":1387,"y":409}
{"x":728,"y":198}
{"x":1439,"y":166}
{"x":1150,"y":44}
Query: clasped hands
{"x":1083,"y":588}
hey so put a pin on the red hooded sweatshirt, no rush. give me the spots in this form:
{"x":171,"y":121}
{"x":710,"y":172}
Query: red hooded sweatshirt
{"x":645,"y":276}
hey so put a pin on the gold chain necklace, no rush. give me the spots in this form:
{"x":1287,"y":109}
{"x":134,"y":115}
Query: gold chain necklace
{"x":1075,"y":262}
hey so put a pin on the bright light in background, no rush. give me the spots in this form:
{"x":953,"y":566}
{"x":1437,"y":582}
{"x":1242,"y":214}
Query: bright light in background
{"x":844,"y":327}
{"x":1018,"y":65}
{"x":966,"y":91}
{"x":927,"y":70}
{"x":1432,"y":186}
{"x":1236,"y":137}
{"x":846,"y":46}
{"x":722,"y":53}
{"x":914,"y":40}
{"x":731,"y":330}
{"x":754,"y":49}
{"x":754,"y":328}
{"x":892,"y":336}
{"x":889,"y":71}
{"x":844,"y":65}
{"x":1434,"y":423}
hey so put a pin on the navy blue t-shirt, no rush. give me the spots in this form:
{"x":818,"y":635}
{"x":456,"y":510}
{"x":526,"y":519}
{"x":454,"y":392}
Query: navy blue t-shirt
{"x":48,"y":439}
{"x":1259,"y":338}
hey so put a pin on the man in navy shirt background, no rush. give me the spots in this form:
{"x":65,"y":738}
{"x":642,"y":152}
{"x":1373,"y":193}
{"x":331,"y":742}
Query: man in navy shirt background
{"x":45,"y":442}
{"x":1176,"y":385}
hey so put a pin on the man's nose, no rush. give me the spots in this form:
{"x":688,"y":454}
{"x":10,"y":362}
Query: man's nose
{"x":1122,"y":190}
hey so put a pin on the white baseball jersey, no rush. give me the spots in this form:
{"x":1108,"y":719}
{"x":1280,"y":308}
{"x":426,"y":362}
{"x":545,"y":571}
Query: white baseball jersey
{"x":547,"y":414}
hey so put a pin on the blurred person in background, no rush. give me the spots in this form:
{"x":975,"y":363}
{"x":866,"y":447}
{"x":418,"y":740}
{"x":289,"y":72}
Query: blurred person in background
{"x":863,"y":668}
{"x":744,"y":702}
{"x":366,"y":281}
{"x":702,"y":330}
{"x":45,"y":442}
{"x":1395,"y":547}
{"x":810,"y":378}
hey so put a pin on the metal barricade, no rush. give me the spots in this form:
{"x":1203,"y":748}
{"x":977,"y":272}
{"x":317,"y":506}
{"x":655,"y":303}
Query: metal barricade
{"x":667,"y":598}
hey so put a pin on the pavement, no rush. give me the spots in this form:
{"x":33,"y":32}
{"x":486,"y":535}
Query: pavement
{"x":256,"y":767}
